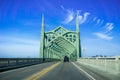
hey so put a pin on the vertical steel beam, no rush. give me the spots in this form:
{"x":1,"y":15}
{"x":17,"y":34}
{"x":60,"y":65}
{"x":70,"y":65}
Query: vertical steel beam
{"x":78,"y":37}
{"x":42,"y":40}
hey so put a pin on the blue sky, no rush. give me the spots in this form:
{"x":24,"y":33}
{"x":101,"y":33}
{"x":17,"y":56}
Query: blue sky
{"x":20,"y":25}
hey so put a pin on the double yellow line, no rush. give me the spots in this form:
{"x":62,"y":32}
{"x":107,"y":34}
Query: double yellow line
{"x":36,"y":76}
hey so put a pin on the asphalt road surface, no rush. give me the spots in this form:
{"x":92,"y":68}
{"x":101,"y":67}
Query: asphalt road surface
{"x":48,"y":71}
{"x":65,"y":71}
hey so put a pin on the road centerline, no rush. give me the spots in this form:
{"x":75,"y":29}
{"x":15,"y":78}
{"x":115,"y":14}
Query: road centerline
{"x":38,"y":75}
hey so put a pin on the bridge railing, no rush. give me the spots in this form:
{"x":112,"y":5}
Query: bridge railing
{"x":10,"y":63}
{"x":106,"y":64}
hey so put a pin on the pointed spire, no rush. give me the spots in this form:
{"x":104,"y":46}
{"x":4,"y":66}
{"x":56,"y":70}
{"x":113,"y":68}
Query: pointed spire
{"x":42,"y":39}
{"x":78,"y":36}
{"x":77,"y":22}
{"x":42,"y":22}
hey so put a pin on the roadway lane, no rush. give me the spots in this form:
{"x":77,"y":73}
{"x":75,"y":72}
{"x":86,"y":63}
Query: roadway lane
{"x":52,"y":71}
{"x":65,"y":71}
{"x":22,"y":73}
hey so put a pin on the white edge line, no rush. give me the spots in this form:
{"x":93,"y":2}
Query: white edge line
{"x":83,"y":71}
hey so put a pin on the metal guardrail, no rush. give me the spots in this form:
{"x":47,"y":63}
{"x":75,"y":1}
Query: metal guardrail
{"x":106,"y":64}
{"x":11,"y":63}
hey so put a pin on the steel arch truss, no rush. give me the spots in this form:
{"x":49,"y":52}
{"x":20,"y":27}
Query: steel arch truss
{"x":59,"y":43}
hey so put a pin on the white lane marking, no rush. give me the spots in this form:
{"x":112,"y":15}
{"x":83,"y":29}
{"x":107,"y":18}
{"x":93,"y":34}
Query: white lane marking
{"x":83,"y":71}
{"x":17,"y":69}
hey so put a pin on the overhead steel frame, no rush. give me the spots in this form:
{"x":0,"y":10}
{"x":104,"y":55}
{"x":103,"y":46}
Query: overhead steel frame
{"x":60,"y":42}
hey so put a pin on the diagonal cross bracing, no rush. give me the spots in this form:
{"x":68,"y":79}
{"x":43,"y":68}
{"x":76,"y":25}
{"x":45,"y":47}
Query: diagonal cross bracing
{"x":60,"y":42}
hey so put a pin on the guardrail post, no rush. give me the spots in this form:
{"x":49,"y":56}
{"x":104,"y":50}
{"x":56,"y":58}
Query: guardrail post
{"x":17,"y":62}
{"x":8,"y":62}
{"x":97,"y":62}
{"x":105,"y":63}
{"x":117,"y":64}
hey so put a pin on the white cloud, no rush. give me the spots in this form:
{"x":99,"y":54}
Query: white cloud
{"x":98,"y":21}
{"x":101,"y":21}
{"x":62,"y":7}
{"x":83,"y":18}
{"x":70,"y":16}
{"x":94,"y":19}
{"x":109,"y":27}
{"x":106,"y":34}
{"x":103,"y":36}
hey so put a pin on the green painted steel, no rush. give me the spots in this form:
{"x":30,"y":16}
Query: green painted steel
{"x":60,"y":42}
{"x":42,"y":42}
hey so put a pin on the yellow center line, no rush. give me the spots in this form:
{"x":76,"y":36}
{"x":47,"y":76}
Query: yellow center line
{"x":36,"y":76}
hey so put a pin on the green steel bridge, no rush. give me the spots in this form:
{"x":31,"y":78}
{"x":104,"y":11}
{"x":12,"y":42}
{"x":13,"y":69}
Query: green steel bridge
{"x":56,"y":45}
{"x":60,"y":42}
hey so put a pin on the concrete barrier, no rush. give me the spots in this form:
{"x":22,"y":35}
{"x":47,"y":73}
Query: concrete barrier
{"x":111,"y":64}
{"x":11,"y":63}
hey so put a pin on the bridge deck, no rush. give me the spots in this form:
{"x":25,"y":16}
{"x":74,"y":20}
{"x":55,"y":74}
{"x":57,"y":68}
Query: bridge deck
{"x":51,"y":71}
